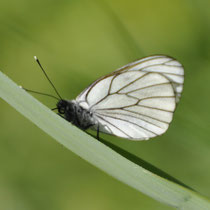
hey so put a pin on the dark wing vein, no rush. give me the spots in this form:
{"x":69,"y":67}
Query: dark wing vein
{"x":116,"y":91}
{"x":166,"y":63}
{"x":124,"y":108}
{"x":129,"y":96}
{"x":164,"y":110}
{"x":129,"y":122}
{"x":132,"y":82}
{"x":110,"y":86}
{"x":144,"y":69}
{"x":165,"y":83}
{"x":178,"y":75}
{"x":147,"y":116}
{"x":177,"y":83}
{"x":156,"y":97}
{"x":100,"y":101}
{"x":144,"y":61}
{"x":114,"y":126}
{"x":93,"y":85}
{"x":139,"y":117}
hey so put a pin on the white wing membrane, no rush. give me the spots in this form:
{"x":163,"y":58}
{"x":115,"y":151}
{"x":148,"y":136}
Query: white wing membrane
{"x":127,"y":128}
{"x":167,"y":103}
{"x":99,"y":91}
{"x":123,"y":80}
{"x":136,"y":101}
{"x":167,"y":66}
{"x":146,"y":81}
{"x":114,"y":101}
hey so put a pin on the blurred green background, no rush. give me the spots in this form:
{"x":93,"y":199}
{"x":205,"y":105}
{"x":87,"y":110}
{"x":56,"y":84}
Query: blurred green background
{"x":77,"y":42}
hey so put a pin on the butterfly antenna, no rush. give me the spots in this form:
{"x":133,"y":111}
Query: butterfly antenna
{"x":40,"y":93}
{"x":37,"y":60}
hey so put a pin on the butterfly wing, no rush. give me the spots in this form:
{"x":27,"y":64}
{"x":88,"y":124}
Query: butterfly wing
{"x":166,"y":65}
{"x":136,"y":101}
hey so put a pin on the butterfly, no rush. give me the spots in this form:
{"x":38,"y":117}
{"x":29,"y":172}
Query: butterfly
{"x":136,"y":102}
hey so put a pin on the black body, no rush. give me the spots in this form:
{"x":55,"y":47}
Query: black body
{"x":74,"y":113}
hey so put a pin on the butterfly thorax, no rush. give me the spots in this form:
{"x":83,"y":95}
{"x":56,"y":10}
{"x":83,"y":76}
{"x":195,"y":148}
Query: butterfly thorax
{"x":74,"y":113}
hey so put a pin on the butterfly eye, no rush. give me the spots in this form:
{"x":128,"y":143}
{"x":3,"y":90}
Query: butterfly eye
{"x":61,"y":110}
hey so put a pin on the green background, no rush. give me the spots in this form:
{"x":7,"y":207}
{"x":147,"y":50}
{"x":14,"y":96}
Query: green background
{"x":77,"y":42}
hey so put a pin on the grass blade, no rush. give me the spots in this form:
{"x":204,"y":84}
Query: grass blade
{"x":99,"y":154}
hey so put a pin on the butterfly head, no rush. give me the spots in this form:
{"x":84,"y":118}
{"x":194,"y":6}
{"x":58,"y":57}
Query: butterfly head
{"x":74,"y":113}
{"x":62,"y":106}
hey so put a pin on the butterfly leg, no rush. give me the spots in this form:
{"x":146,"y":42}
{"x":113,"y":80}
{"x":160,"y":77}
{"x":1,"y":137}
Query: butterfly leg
{"x":98,"y":132}
{"x":97,"y":135}
{"x":61,"y":115}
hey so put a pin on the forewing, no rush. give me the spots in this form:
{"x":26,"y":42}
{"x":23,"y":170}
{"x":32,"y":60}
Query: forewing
{"x":168,"y":66}
{"x":136,"y":101}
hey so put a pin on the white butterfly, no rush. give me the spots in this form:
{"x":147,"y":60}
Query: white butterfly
{"x":136,"y":102}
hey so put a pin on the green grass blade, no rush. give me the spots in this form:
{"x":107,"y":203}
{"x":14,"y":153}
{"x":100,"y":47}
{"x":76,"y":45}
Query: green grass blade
{"x":143,"y":163}
{"x":99,"y":154}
